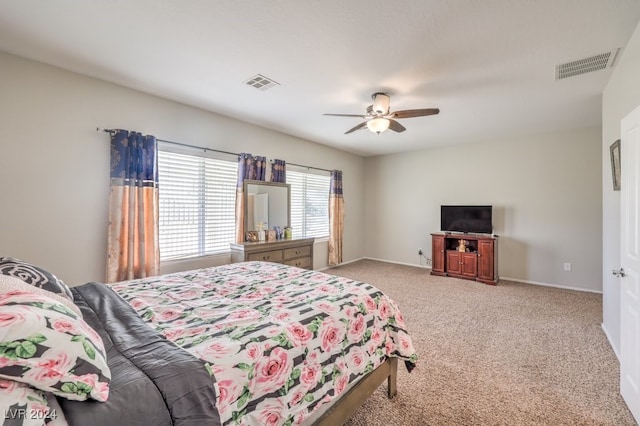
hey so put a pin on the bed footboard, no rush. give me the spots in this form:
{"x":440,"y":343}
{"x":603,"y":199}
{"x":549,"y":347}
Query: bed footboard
{"x":340,"y":412}
{"x":392,"y":389}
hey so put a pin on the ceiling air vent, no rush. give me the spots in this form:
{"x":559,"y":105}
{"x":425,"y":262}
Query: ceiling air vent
{"x":261,"y":82}
{"x":583,"y":66}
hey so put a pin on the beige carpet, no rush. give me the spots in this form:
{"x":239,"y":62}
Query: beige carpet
{"x":513,"y":354}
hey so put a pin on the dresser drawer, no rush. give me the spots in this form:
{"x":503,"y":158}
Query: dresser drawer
{"x":302,"y":262}
{"x":267,"y":256}
{"x":297,"y":252}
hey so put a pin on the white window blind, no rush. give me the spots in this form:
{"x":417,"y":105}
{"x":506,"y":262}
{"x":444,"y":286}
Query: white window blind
{"x":309,"y":204}
{"x":197,"y":204}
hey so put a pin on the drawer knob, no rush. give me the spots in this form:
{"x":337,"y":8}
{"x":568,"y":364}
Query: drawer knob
{"x":265,"y":257}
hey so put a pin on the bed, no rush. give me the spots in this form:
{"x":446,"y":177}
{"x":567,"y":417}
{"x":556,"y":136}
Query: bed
{"x":241,"y":344}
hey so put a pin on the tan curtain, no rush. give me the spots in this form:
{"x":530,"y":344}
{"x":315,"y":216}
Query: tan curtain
{"x":336,"y":218}
{"x":239,"y":215}
{"x":249,"y":168}
{"x":133,"y":246}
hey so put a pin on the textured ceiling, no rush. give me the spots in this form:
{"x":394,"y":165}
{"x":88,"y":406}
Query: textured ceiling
{"x":487,"y":64}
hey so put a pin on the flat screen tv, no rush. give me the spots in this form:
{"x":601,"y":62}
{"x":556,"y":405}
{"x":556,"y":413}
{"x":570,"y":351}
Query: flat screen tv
{"x":473,"y":219}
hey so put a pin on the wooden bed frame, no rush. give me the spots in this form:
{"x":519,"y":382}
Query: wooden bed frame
{"x":340,"y":412}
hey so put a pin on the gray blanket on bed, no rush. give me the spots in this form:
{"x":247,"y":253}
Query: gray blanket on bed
{"x":153,"y":382}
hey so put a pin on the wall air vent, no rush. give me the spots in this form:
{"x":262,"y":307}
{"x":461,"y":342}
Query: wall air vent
{"x":583,"y":66}
{"x":261,"y":82}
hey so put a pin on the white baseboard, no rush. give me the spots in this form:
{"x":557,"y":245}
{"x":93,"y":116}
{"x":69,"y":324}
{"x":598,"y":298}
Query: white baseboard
{"x":341,"y":264}
{"x":550,"y":285}
{"x":615,"y":349}
{"x":397,"y":263}
{"x":502,"y":278}
{"x":377,"y":260}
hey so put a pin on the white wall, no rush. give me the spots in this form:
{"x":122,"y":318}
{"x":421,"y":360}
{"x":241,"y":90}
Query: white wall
{"x":54,"y":166}
{"x":619,"y":98}
{"x":545,"y":191}
{"x":54,"y":171}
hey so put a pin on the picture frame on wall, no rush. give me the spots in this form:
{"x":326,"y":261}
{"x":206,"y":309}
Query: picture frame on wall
{"x":614,"y":151}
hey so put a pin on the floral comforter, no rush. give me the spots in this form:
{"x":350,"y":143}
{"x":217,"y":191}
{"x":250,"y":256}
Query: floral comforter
{"x":280,"y":342}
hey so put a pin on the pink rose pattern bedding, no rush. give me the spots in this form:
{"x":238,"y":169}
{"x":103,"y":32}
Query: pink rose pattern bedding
{"x":47,"y":345}
{"x":25,"y":406}
{"x":279,"y":341}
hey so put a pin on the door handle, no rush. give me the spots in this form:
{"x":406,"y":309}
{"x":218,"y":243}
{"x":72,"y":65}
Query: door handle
{"x":619,"y":272}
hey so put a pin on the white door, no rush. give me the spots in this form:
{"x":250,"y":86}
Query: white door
{"x":630,"y":263}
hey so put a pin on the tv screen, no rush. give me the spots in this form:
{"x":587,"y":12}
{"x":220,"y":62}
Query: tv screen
{"x":474,"y":219}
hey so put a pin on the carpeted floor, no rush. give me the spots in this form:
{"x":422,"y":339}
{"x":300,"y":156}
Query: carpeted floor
{"x":513,"y":354}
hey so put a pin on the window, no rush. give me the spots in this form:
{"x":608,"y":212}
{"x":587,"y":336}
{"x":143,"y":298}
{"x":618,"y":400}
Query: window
{"x":197,"y":204}
{"x":309,"y":204}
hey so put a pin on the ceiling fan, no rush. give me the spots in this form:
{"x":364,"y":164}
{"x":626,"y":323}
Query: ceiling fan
{"x":379,"y":117}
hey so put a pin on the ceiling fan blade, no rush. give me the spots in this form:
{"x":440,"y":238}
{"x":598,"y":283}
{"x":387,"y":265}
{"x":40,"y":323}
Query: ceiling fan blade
{"x":409,"y":113}
{"x":395,"y":126}
{"x":346,"y":115}
{"x":358,"y":127}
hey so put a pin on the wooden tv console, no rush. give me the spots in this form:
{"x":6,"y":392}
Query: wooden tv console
{"x":478,"y":262}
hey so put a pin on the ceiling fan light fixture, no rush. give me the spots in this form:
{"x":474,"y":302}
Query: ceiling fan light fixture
{"x":380,"y":103}
{"x":378,"y":125}
{"x":379,"y":117}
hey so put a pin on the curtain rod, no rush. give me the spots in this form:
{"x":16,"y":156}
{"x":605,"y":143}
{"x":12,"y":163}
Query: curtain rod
{"x":177,"y":143}
{"x":310,"y":167}
{"x":208,"y":149}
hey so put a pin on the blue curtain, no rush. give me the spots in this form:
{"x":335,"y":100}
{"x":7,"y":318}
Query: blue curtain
{"x":134,"y":156}
{"x":278,"y":171}
{"x":249,"y":168}
{"x":133,"y":247}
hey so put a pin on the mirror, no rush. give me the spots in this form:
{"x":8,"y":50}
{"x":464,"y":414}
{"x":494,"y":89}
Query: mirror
{"x":266,"y":203}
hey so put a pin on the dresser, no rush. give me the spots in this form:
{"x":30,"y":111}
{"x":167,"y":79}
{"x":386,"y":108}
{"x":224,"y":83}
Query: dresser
{"x":298,"y":252}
